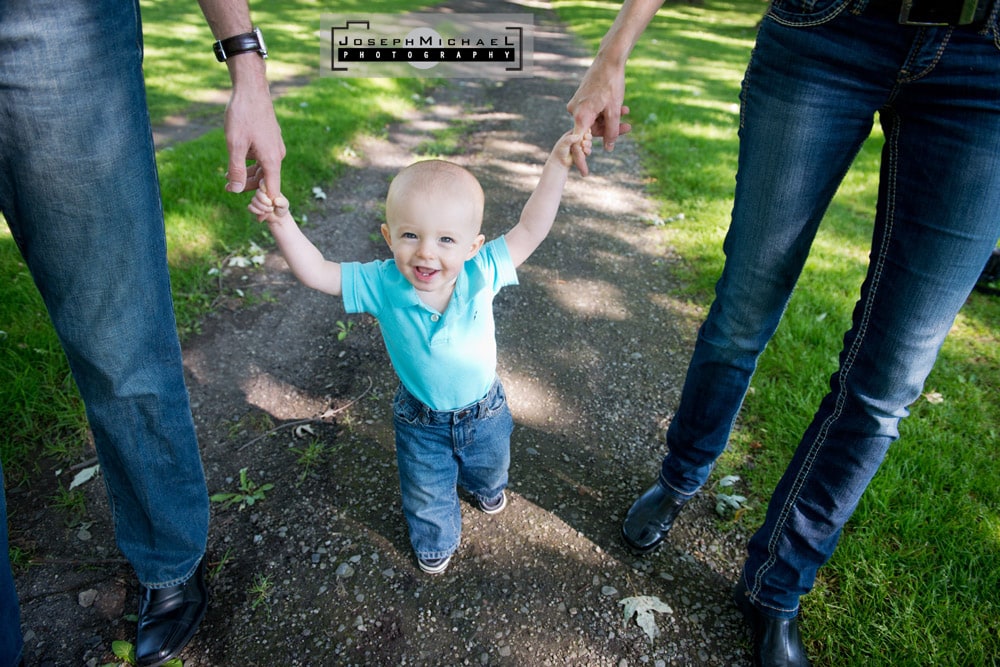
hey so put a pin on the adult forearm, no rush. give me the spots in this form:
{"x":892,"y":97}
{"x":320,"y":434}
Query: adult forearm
{"x":252,"y":131}
{"x":624,"y":33}
{"x":226,"y":17}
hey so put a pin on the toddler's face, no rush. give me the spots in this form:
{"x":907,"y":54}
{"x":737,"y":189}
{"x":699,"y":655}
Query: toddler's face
{"x":431,"y":238}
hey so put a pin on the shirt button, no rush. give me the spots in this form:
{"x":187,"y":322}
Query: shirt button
{"x":435,"y":317}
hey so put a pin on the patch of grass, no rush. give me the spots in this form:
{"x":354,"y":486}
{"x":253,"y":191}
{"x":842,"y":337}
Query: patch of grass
{"x":310,"y":456}
{"x":260,"y":592}
{"x":914,"y":578}
{"x":216,"y":569}
{"x":41,"y":406}
{"x":182,"y":74}
{"x":319,"y":121}
{"x":445,"y":141}
{"x":72,"y":503}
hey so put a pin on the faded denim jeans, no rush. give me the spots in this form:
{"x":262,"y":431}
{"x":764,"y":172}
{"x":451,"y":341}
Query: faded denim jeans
{"x":79,"y":189}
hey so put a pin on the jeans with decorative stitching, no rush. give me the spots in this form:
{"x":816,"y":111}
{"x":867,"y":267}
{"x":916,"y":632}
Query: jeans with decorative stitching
{"x":809,"y":97}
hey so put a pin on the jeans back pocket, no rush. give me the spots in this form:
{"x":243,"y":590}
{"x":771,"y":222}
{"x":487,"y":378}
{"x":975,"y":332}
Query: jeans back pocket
{"x":806,"y":12}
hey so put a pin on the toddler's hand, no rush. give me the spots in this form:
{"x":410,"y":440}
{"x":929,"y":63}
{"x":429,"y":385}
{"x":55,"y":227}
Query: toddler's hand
{"x":266,"y":208}
{"x":573,"y":148}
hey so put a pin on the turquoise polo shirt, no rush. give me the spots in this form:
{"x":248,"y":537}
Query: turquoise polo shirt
{"x":446,"y":360}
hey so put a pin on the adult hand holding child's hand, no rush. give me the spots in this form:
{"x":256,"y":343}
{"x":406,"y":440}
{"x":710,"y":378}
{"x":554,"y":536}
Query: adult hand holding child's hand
{"x":263,"y":205}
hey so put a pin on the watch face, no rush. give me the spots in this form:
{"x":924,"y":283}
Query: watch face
{"x":260,"y":40}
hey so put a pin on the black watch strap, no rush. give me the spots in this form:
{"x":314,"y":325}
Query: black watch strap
{"x":245,"y":43}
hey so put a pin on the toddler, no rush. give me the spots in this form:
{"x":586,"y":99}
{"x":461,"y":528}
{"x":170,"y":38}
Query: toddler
{"x":434,"y":304}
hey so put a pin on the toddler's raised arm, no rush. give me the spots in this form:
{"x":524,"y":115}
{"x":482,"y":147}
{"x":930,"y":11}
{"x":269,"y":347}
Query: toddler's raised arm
{"x":304,"y":258}
{"x":540,"y":210}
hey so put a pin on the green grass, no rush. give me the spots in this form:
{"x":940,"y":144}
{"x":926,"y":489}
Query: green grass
{"x":914,"y":580}
{"x":319,"y":121}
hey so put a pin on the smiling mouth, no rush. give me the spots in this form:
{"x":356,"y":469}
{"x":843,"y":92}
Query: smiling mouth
{"x":424,"y":274}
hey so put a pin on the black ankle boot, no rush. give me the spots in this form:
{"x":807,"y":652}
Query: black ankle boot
{"x":776,"y":641}
{"x":649,"y":519}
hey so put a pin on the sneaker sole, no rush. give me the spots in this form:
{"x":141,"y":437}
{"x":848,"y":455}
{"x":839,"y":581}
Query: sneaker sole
{"x":434,"y":569}
{"x":495,"y":510}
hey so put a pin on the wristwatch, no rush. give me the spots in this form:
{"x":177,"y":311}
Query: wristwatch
{"x":245,"y":43}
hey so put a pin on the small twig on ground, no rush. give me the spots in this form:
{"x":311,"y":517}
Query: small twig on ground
{"x":78,"y":562}
{"x":84,"y":464}
{"x":321,"y":418}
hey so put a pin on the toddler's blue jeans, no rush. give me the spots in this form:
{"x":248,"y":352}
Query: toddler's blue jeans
{"x":438,"y":451}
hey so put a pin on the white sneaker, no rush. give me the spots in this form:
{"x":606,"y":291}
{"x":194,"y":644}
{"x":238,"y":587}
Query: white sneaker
{"x":434,"y":565}
{"x":496,"y":505}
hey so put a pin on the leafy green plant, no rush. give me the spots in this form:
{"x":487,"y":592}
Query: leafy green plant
{"x":261,"y":589}
{"x":249,"y":492}
{"x":19,"y":557}
{"x":729,"y":504}
{"x":310,"y":456}
{"x":125,"y":652}
{"x":344,"y":329}
{"x":72,"y":502}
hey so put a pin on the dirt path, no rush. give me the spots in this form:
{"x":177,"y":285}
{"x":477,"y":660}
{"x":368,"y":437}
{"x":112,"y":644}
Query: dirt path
{"x":592,"y":352}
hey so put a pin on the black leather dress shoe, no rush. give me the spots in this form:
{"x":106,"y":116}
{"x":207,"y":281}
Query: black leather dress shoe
{"x":649,"y":519}
{"x":168,"y":619}
{"x":776,"y":641}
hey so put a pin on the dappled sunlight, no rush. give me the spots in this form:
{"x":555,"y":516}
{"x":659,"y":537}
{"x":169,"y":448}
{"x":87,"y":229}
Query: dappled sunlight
{"x":712,"y":131}
{"x":584,"y":298}
{"x":279,"y":398}
{"x":514,"y":149}
{"x":835,"y":255}
{"x":279,"y":71}
{"x":444,"y":116}
{"x":603,"y":194}
{"x":654,"y":64}
{"x":537,"y":403}
{"x":541,"y":58}
{"x":542,"y":527}
{"x":189,"y":234}
{"x":676,"y":306}
{"x":717,"y":39}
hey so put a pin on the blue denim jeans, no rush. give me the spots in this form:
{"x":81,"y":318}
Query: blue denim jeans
{"x":815,"y":81}
{"x":79,"y":189}
{"x":438,"y":451}
{"x":11,"y":643}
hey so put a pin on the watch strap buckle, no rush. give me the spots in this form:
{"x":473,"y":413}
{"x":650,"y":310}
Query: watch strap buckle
{"x":245,"y":43}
